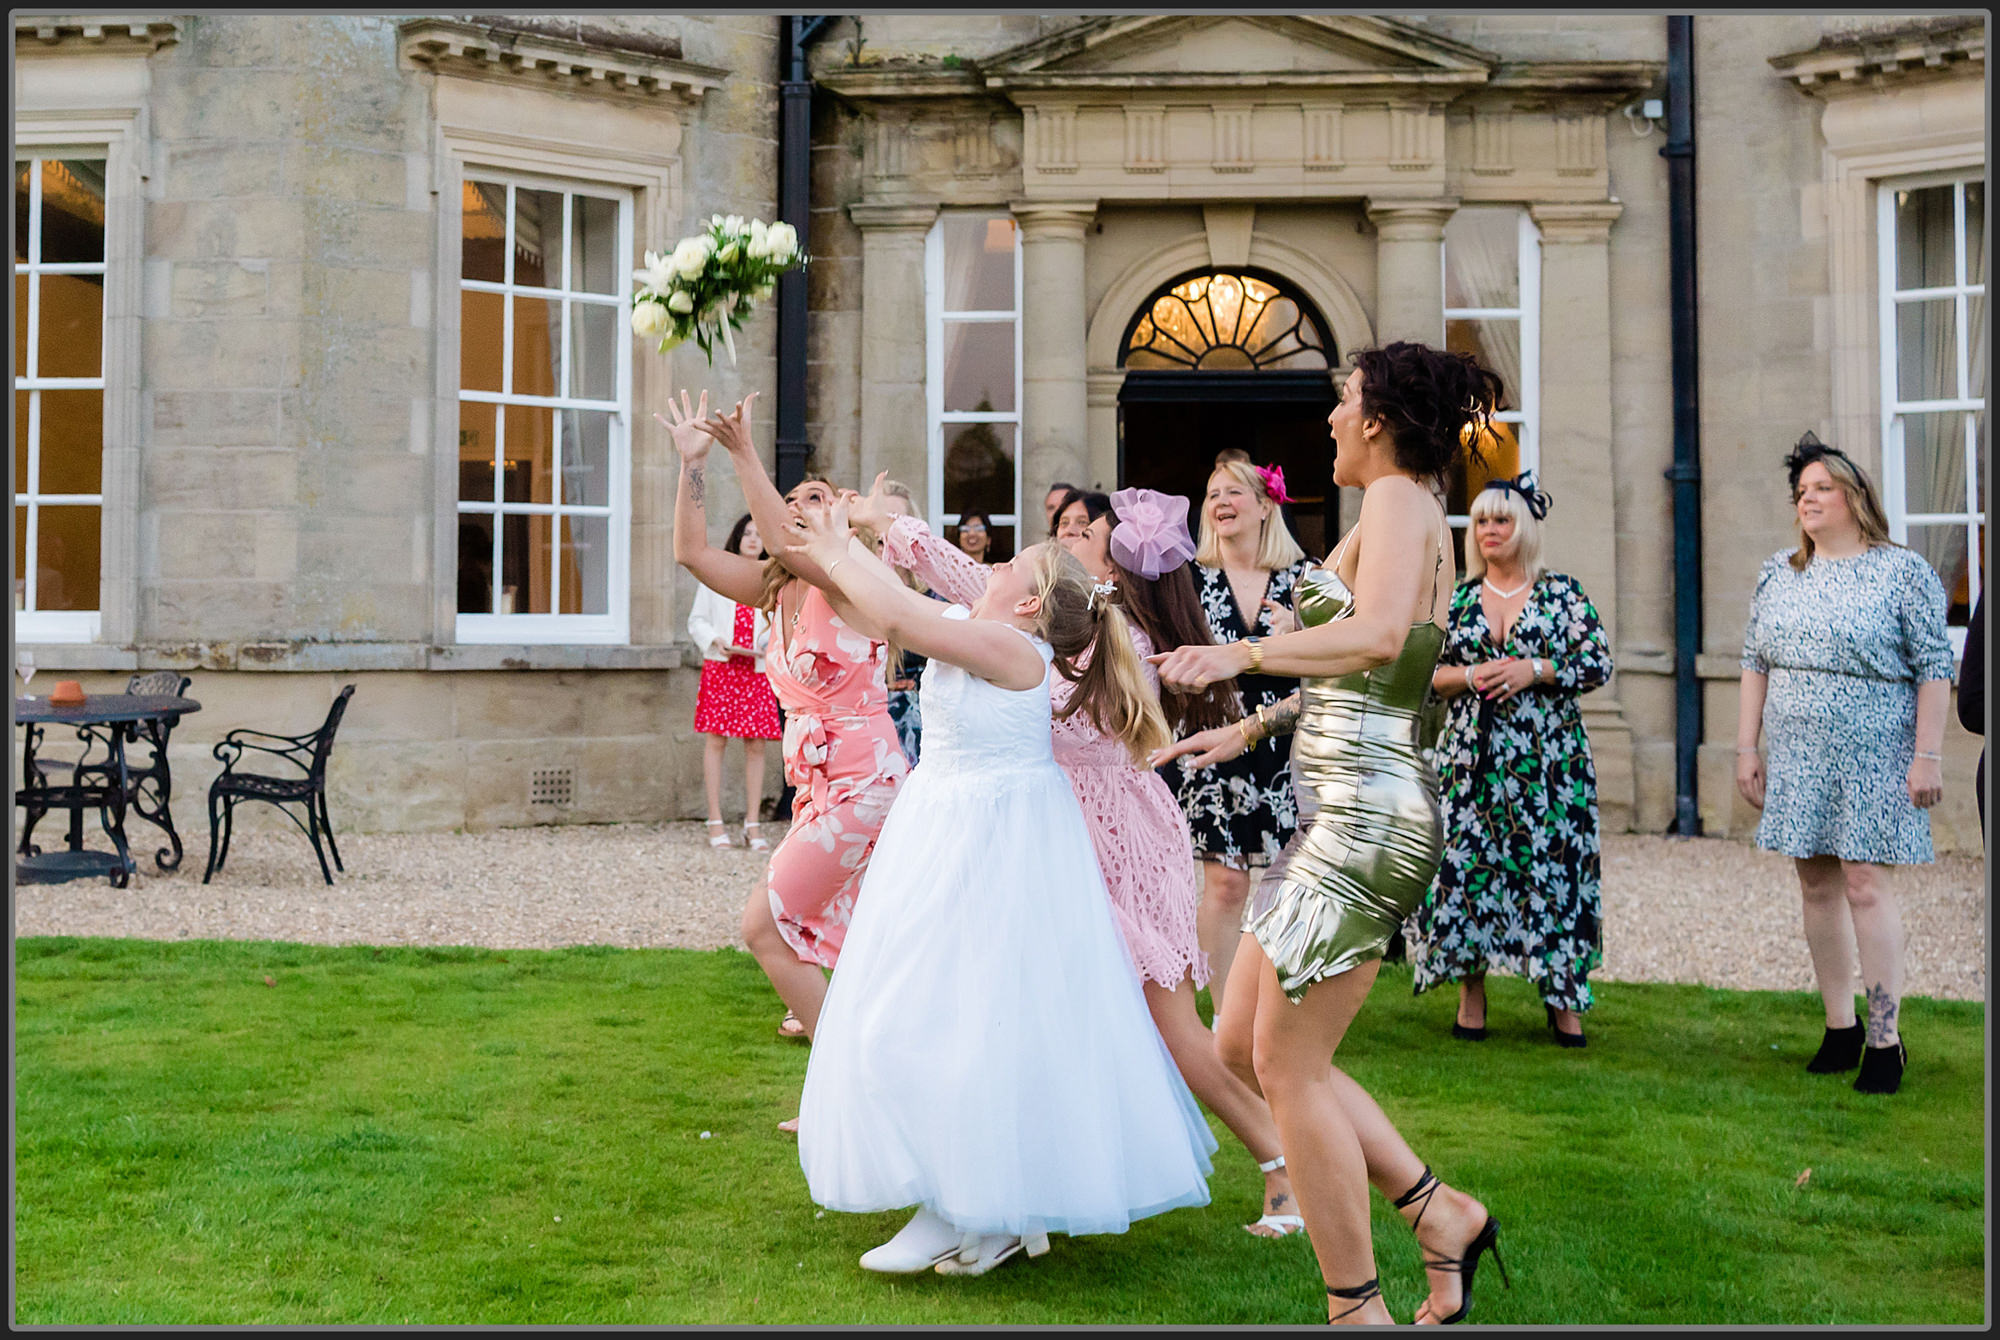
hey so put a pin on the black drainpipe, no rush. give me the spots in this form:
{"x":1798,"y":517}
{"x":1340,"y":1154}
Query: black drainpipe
{"x":795,"y":35}
{"x":1686,"y":471}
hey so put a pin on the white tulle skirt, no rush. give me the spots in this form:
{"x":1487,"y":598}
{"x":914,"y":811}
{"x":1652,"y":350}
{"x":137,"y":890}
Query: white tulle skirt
{"x":985,"y":1049}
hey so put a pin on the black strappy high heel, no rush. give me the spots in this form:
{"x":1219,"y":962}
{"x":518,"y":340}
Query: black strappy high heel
{"x":1487,"y":1239}
{"x":1360,"y":1293}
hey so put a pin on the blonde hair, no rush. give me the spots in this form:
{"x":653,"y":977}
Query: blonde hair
{"x":1527,"y":532}
{"x":1862,"y":504}
{"x":1275,"y":546}
{"x":1093,"y":650}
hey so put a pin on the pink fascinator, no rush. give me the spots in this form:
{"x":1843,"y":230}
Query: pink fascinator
{"x":1274,"y":481}
{"x":1151,"y":537}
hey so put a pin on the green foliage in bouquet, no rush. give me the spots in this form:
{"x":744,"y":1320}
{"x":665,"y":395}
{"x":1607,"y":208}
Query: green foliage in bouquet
{"x":709,"y":283}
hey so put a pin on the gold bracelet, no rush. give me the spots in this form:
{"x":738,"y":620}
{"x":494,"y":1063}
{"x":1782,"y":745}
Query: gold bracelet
{"x":1243,"y":728}
{"x":1256,"y":655}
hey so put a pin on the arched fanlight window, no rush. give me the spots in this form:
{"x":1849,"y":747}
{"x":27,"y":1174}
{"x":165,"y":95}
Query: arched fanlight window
{"x":1224,"y":321}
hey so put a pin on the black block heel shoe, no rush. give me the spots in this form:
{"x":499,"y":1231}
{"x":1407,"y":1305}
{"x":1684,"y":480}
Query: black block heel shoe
{"x":1882,"y":1069}
{"x":1839,"y":1050}
{"x":1466,"y":1033}
{"x":1564,"y":1039}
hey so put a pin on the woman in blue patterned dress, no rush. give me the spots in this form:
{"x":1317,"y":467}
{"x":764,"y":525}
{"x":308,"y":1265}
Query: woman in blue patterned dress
{"x":1847,"y":668}
{"x":1517,"y":891}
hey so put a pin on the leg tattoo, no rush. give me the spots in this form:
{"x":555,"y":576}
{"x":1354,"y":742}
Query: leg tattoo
{"x":1881,"y":1015}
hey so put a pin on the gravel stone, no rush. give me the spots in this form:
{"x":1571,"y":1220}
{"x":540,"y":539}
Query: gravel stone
{"x":1698,"y":910}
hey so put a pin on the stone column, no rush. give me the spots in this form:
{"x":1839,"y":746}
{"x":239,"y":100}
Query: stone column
{"x":1576,"y":454}
{"x":894,"y":420}
{"x":1409,"y":268}
{"x":1054,"y":400}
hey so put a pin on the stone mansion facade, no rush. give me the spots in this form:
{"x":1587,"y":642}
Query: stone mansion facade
{"x":323,"y":372}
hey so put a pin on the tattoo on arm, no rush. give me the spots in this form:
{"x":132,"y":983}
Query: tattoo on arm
{"x":1282,"y":717}
{"x":1881,"y":1015}
{"x":697,"y":485}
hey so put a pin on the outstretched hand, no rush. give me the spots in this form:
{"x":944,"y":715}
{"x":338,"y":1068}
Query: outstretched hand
{"x":1191,"y":668}
{"x":732,"y":430}
{"x":683,"y":423}
{"x":870,"y":510}
{"x":1205,"y":749}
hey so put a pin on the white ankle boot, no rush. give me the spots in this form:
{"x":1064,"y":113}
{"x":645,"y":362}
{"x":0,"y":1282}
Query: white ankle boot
{"x":918,"y":1245}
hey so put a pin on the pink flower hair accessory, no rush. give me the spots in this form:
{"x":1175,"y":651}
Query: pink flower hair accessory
{"x":1274,"y":481}
{"x":1151,"y":537}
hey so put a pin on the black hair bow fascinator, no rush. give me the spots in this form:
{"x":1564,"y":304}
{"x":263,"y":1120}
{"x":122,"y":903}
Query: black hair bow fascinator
{"x":1807,"y":450}
{"x":1524,"y":484}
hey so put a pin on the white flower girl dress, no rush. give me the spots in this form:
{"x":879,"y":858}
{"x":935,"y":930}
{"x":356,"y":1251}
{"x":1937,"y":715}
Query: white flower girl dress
{"x":985,"y":1051}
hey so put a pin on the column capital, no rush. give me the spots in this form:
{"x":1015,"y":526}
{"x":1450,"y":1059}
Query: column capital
{"x":1054,"y":218}
{"x":1411,"y":219}
{"x":872,"y":216}
{"x":1589,"y":222}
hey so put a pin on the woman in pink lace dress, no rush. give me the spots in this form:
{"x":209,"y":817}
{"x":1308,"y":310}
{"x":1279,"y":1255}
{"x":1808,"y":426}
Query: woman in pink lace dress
{"x":1137,"y":826}
{"x":840,"y":746}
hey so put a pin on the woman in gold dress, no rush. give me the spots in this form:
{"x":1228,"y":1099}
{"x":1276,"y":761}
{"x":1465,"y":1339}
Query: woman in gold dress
{"x":1317,"y":925}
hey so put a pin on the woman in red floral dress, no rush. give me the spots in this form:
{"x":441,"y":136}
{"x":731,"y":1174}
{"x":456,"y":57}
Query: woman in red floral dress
{"x":734,"y":701}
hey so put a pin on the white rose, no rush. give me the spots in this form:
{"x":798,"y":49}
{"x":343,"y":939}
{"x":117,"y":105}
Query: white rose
{"x":784,"y":241}
{"x":650,"y":320}
{"x":715,"y":220}
{"x":658,"y":275}
{"x":682,"y":302}
{"x":690,"y":258}
{"x":729,"y":252}
{"x":733,"y":224}
{"x":760,"y":240}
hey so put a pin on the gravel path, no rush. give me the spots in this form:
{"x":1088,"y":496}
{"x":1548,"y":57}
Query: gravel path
{"x":1706,"y":910}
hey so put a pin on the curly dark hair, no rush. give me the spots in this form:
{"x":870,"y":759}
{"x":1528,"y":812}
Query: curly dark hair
{"x":1428,"y":398}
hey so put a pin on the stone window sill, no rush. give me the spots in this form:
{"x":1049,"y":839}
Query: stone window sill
{"x":318,"y":657}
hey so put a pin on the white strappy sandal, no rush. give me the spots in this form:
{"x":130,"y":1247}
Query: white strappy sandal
{"x":754,"y":839}
{"x":718,"y":839}
{"x":1286,"y":1224}
{"x":979,"y":1252}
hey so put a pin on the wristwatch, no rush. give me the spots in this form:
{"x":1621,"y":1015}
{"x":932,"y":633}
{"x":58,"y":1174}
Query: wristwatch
{"x":1535,"y":665}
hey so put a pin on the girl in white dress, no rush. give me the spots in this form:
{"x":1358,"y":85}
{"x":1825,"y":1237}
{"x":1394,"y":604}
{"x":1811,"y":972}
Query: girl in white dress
{"x":985,"y":1052}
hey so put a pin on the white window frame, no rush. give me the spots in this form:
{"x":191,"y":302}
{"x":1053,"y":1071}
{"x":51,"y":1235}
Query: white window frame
{"x":1528,"y":418}
{"x":1961,"y":291}
{"x":935,"y":317}
{"x":613,"y":626}
{"x":32,"y":625}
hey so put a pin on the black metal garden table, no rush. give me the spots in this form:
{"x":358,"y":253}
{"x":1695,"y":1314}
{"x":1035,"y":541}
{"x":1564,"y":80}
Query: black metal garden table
{"x":105,"y":723}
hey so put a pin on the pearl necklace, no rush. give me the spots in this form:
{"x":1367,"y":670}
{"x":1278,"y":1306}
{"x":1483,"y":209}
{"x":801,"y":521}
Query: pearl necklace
{"x":1487,"y":582}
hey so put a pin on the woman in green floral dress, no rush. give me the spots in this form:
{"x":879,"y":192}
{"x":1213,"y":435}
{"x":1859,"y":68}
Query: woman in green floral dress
{"x":1517,"y":892}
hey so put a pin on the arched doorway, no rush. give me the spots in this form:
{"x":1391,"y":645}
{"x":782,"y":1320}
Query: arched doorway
{"x":1230,"y":358}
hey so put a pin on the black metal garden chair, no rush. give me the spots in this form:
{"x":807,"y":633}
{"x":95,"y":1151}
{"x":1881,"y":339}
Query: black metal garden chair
{"x":148,"y":785}
{"x":308,"y":753}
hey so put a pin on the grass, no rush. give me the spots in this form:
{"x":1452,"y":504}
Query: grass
{"x":270,"y":1133}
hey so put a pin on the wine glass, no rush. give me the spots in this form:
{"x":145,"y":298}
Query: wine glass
{"x":24,"y":663}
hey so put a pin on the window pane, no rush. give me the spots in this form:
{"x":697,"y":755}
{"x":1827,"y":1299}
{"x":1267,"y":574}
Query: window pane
{"x":999,"y":545}
{"x":67,"y":558}
{"x":479,"y":336}
{"x":979,"y":366}
{"x":524,"y":587}
{"x":586,"y":565}
{"x":594,"y":268}
{"x":586,"y":458}
{"x":22,"y":167}
{"x":21,"y":327}
{"x":538,"y":237}
{"x":72,"y":442}
{"x":483,"y":215}
{"x":478,"y":449}
{"x":1501,"y":459}
{"x":1945,"y":548}
{"x":1926,"y":244}
{"x":537,"y":336}
{"x":72,"y":326}
{"x":22,"y":400}
{"x":1927,"y":350}
{"x":978,"y":263}
{"x":1496,"y":343}
{"x":1933,"y":463}
{"x":979,"y":467}
{"x":531,"y":453}
{"x":475,"y":564}
{"x":1482,"y":258}
{"x":1975,"y":232}
{"x":20,"y":558}
{"x":593,"y":351}
{"x":73,"y":216}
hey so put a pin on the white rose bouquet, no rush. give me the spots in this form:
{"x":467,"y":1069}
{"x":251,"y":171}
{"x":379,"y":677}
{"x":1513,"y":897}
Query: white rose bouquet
{"x":710,"y":282}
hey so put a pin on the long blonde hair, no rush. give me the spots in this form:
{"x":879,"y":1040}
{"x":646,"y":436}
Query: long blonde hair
{"x":1275,"y":546}
{"x":1527,"y":532}
{"x":1093,"y":650}
{"x":1862,"y":503}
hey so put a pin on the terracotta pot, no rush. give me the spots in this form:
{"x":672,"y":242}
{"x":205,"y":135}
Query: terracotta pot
{"x":67,"y":693}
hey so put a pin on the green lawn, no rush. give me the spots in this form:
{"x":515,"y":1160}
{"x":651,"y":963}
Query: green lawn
{"x":461,"y":1136}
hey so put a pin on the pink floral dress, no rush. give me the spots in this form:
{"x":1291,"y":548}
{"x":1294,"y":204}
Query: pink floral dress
{"x":1137,"y":826}
{"x":842,"y":754}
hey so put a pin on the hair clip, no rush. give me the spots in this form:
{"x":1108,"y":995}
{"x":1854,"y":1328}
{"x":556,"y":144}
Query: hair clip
{"x":1103,"y":588}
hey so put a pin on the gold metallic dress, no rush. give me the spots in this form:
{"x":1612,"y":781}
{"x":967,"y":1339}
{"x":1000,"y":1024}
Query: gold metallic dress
{"x":1363,"y":862}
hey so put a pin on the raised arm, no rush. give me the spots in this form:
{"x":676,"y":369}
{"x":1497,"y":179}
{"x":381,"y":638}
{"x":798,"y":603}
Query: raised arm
{"x":908,"y":544}
{"x":984,"y":648}
{"x":733,"y":575}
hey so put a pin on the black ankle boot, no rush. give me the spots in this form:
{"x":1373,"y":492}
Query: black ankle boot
{"x":1882,"y":1069}
{"x":1839,"y":1050}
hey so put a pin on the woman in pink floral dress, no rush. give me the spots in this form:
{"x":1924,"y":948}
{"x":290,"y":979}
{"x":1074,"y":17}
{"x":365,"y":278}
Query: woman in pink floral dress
{"x":840,"y":746}
{"x":1136,"y":824}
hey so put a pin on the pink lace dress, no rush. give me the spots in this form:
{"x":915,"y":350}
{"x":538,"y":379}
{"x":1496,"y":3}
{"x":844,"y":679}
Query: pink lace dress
{"x":842,"y":754}
{"x":1137,"y":826}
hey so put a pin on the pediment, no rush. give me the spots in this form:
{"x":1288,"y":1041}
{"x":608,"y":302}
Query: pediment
{"x":1180,"y":49}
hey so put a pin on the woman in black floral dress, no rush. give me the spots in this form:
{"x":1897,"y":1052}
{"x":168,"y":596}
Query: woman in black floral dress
{"x":1517,"y":892}
{"x":1243,"y":812}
